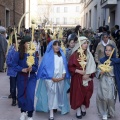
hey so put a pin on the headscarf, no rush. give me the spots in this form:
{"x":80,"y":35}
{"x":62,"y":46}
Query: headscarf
{"x":90,"y":66}
{"x":116,"y":65}
{"x":2,"y":29}
{"x":46,"y":69}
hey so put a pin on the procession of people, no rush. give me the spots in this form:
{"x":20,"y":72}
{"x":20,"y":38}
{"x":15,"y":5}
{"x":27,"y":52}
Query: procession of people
{"x":58,"y":68}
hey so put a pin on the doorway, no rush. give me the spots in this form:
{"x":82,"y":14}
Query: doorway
{"x":112,"y":18}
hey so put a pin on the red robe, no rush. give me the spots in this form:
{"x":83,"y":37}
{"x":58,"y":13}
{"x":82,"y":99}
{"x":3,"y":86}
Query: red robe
{"x":79,"y":94}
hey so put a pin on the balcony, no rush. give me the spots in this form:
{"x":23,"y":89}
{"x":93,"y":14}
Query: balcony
{"x":108,"y":3}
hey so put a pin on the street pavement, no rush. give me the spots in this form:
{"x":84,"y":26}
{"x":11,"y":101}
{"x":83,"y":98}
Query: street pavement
{"x":7,"y":112}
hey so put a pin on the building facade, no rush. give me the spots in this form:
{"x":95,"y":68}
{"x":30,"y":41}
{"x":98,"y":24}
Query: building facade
{"x":11,"y":12}
{"x":96,"y":13}
{"x":63,"y":13}
{"x":31,"y":10}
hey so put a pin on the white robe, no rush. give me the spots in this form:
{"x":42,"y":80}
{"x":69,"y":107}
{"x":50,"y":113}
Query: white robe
{"x":106,"y":94}
{"x":55,"y":89}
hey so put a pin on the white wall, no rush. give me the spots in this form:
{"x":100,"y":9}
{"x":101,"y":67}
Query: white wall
{"x":27,"y":17}
{"x":98,"y":17}
{"x":95,"y":15}
{"x":70,"y":15}
{"x":117,"y":17}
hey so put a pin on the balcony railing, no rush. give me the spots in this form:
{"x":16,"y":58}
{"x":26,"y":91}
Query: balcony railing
{"x":108,"y":3}
{"x":103,"y":1}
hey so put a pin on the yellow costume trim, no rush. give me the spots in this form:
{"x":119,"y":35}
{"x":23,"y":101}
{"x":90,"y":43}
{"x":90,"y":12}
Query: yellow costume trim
{"x":82,"y":57}
{"x":106,"y":66}
{"x":60,"y":37}
{"x":31,"y":51}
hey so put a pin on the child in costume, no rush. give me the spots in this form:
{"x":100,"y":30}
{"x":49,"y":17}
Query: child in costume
{"x":10,"y":71}
{"x":106,"y":94}
{"x":25,"y":84}
{"x":82,"y":68}
{"x":52,"y":89}
{"x":71,"y":45}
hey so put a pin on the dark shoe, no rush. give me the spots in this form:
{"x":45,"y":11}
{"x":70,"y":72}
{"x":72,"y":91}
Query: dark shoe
{"x":1,"y":70}
{"x":14,"y":103}
{"x":83,"y":113}
{"x":51,"y":119}
{"x":79,"y":117}
{"x":55,"y":110}
{"x":109,"y":116}
{"x":10,"y":96}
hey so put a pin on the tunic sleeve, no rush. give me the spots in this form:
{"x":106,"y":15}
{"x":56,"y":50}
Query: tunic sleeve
{"x":9,"y":60}
{"x":17,"y":68}
{"x":71,"y":64}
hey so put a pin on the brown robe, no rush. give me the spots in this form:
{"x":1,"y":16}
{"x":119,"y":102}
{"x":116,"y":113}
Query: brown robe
{"x":79,"y":94}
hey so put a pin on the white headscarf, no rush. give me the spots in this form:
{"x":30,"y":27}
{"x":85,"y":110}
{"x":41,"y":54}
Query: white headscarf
{"x":90,"y":66}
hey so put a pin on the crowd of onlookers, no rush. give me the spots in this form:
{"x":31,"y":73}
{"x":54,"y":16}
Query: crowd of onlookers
{"x":98,"y":39}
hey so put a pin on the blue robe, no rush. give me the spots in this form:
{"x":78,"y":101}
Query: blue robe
{"x":46,"y":71}
{"x":9,"y":60}
{"x":25,"y":85}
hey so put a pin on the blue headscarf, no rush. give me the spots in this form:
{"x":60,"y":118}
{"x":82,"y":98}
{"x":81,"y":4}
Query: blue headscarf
{"x":116,"y":64}
{"x":46,"y":69}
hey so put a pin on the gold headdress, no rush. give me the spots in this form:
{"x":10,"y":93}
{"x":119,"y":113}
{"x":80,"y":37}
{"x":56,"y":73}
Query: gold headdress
{"x":106,"y":66}
{"x":15,"y":33}
{"x":9,"y":44}
{"x":21,"y":21}
{"x":82,"y":57}
{"x":10,"y":40}
{"x":31,"y":51}
{"x":60,"y":37}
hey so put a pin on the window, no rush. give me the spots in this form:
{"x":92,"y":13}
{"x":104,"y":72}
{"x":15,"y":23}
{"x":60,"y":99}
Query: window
{"x":7,"y":18}
{"x":90,"y":18}
{"x":65,"y":20}
{"x":77,"y":9}
{"x":65,"y":9}
{"x":58,"y":9}
{"x":57,"y":20}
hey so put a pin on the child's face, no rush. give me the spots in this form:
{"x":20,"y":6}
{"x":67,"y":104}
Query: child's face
{"x":85,"y":46}
{"x":108,"y":51}
{"x":27,"y":45}
{"x":56,"y":48}
{"x":105,"y":38}
{"x":72,"y":44}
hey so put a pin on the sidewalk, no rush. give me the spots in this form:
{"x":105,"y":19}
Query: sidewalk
{"x":7,"y":112}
